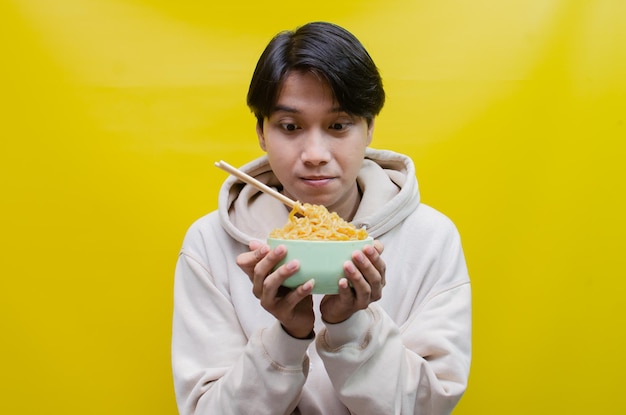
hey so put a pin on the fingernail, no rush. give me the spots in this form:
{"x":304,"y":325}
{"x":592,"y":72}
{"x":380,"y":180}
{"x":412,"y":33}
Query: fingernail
{"x":292,"y":265}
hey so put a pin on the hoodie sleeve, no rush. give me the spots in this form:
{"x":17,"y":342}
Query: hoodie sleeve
{"x":420,"y":367}
{"x":216,"y":368}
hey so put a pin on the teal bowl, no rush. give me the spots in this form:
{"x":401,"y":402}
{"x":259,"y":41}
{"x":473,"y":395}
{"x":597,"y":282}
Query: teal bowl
{"x":319,"y":260}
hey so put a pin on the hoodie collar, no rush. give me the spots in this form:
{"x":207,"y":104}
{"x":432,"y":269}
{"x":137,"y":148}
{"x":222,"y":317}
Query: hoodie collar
{"x":386,"y":179}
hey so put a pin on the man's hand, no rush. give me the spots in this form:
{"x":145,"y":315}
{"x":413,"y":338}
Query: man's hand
{"x":293,"y":308}
{"x":363,"y":284}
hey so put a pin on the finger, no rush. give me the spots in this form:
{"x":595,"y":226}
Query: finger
{"x":263,"y":268}
{"x":347,"y":293}
{"x":248,"y":260}
{"x":254,"y":244}
{"x":267,"y":262}
{"x":293,"y":298}
{"x":379,"y":246}
{"x":264,"y":265}
{"x":374,"y":257}
{"x":268,"y":287}
{"x":368,"y":271}
{"x":360,"y":289}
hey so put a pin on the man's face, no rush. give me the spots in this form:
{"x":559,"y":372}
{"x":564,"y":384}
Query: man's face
{"x":314,"y":147}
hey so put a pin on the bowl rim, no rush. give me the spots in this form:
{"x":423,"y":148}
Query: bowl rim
{"x":317,"y":241}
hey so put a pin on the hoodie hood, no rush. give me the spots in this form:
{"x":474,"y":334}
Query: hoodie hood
{"x":387,"y":181}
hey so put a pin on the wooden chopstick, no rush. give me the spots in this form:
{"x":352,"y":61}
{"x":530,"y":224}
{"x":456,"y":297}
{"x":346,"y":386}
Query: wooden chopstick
{"x":254,"y":182}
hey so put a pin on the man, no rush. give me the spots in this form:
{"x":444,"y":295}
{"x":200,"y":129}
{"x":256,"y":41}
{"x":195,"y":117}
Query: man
{"x":397,"y":337}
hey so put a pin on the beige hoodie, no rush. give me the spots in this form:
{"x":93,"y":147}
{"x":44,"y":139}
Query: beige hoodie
{"x":408,"y":353}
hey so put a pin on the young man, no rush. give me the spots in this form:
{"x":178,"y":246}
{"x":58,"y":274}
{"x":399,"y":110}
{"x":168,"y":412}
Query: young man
{"x":397,"y":337}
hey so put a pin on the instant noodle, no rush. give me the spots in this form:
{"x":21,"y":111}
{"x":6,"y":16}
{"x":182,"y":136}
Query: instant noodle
{"x":316,"y":223}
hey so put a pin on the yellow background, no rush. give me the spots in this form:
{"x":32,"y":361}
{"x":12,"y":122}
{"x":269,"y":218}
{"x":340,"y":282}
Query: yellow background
{"x":113,"y":112}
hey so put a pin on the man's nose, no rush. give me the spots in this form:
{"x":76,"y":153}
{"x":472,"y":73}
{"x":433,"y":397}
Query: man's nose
{"x":316,"y":149}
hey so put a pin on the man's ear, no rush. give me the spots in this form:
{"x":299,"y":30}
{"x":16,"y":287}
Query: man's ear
{"x":260,"y":135}
{"x":370,"y":131}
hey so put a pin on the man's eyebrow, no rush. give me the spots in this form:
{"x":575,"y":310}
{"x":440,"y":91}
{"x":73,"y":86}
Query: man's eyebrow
{"x":285,"y":108}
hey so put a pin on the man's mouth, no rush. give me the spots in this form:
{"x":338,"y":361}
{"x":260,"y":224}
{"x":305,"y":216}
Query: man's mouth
{"x":317,"y":181}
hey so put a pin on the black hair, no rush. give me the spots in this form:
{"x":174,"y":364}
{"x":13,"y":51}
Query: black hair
{"x":327,"y":50}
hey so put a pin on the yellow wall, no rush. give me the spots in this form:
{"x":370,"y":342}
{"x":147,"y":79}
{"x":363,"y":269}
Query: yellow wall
{"x":113,"y":112}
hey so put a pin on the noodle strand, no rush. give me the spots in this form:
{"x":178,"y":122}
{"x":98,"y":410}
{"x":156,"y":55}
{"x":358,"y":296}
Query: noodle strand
{"x":317,"y":224}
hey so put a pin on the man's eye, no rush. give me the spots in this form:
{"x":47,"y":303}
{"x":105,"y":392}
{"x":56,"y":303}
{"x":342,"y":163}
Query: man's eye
{"x":338,"y":126}
{"x":289,"y":127}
